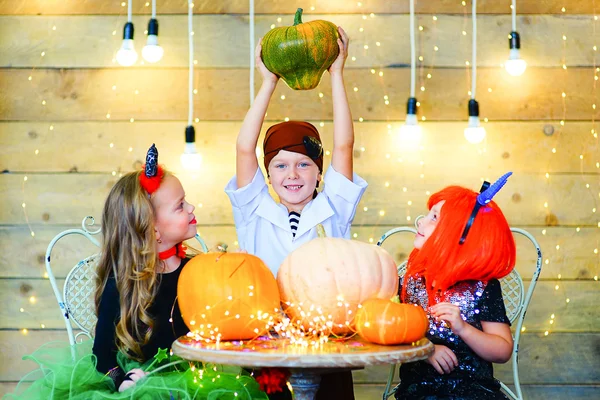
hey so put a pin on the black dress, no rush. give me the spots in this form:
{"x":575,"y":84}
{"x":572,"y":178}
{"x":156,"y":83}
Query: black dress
{"x":77,"y":372}
{"x":165,"y":332}
{"x":473,"y":378}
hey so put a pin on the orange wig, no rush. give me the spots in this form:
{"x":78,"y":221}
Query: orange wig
{"x":488,"y":251}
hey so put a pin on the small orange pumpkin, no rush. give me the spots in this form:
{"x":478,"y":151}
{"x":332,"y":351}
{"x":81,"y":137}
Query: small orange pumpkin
{"x":389,"y":322}
{"x":227,"y":296}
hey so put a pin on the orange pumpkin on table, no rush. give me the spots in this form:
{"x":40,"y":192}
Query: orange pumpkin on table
{"x":389,"y":322}
{"x":229,"y":296}
{"x":327,"y":278}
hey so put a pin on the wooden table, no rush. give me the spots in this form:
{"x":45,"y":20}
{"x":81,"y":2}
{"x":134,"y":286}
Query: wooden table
{"x":306,"y":364}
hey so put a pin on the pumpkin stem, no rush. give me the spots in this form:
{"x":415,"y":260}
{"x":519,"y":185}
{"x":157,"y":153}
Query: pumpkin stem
{"x":298,"y":17}
{"x":395,"y":299}
{"x":221,"y":248}
{"x":321,"y":231}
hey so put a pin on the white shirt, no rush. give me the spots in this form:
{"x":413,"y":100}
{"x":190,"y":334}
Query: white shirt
{"x":263,"y":226}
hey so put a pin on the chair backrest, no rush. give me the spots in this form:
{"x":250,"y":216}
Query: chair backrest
{"x":78,"y":294}
{"x":76,"y":301}
{"x":516,"y":302}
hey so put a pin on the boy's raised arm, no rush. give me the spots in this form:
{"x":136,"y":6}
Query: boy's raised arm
{"x":343,"y":128}
{"x":246,"y":161}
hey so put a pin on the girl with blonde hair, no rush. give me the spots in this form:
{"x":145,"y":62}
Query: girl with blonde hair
{"x":145,"y":220}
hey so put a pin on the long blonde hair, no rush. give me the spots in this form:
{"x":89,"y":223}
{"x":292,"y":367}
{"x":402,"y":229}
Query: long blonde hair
{"x":129,"y":253}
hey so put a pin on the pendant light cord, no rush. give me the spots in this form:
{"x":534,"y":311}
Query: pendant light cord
{"x":412,"y":49}
{"x":191,"y":63}
{"x":514,"y":15}
{"x":252,"y":45}
{"x":474,"y":55}
{"x":128,"y":10}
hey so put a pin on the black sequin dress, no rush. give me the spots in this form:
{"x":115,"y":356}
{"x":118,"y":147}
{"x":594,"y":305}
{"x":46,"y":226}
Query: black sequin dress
{"x":473,"y":378}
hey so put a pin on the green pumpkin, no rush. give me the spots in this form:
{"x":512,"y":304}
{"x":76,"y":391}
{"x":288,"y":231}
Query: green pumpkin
{"x":300,"y":54}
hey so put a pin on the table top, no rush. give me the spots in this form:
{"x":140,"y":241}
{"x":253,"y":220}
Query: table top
{"x":270,"y":352}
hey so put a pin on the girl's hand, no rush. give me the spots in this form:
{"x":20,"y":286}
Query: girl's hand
{"x":343,"y":41}
{"x":443,"y":359}
{"x":267,"y":75}
{"x":451,"y":314}
{"x":135,"y":375}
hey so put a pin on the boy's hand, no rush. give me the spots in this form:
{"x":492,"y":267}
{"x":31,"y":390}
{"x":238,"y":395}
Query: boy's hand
{"x":343,"y":41}
{"x":451,"y":314}
{"x":134,"y":375}
{"x":267,"y":75}
{"x":443,"y":359}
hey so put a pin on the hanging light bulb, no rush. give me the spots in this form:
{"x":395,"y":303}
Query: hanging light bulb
{"x":152,"y":52}
{"x":127,"y":56}
{"x":190,"y":159}
{"x":515,"y":65}
{"x":474,"y":132}
{"x":410,"y":131}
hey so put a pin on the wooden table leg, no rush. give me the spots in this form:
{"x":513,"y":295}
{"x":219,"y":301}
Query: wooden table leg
{"x":305,"y":383}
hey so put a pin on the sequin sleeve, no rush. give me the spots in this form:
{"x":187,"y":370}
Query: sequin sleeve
{"x":492,"y":304}
{"x":400,"y":283}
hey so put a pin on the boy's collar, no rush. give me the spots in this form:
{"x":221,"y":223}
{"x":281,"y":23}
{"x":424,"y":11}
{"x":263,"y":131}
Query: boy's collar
{"x":315,"y":212}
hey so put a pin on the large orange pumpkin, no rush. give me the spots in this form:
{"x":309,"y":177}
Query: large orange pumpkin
{"x":229,"y":296}
{"x":389,"y":322}
{"x":327,"y":278}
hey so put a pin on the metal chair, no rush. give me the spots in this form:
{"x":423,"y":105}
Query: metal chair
{"x":516,"y":302}
{"x":76,"y":301}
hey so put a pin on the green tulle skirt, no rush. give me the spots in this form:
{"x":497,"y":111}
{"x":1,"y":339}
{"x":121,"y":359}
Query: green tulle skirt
{"x":69,"y":372}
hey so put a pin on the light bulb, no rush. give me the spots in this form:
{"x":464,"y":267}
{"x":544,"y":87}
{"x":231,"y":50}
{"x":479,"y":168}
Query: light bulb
{"x":190,"y":159}
{"x":410,"y":132}
{"x":515,"y":66}
{"x":474,"y":133}
{"x":127,"y":56}
{"x":152,"y":52}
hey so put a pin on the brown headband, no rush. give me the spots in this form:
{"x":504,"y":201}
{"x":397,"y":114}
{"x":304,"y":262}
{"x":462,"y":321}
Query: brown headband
{"x":290,"y":136}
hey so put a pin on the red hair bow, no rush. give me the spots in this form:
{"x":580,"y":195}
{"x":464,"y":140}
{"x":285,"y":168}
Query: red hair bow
{"x":151,"y":184}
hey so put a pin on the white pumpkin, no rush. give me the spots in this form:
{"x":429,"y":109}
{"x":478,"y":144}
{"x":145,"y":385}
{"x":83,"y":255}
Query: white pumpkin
{"x":327,"y":279}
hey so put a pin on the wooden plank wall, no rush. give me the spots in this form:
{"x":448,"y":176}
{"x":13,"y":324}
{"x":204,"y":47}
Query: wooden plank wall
{"x":71,"y":121}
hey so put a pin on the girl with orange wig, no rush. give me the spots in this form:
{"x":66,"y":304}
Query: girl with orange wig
{"x":462,"y":247}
